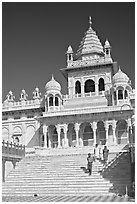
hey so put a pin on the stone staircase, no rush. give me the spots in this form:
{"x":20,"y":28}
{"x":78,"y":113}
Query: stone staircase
{"x":55,"y":175}
{"x":62,"y":172}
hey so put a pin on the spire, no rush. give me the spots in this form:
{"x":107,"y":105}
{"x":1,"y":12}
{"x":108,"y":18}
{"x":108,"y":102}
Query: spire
{"x":90,"y":44}
{"x":90,"y":22}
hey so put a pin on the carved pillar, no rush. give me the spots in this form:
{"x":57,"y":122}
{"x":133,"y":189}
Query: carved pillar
{"x":54,"y":100}
{"x":10,"y":132}
{"x":81,"y":138}
{"x":117,"y":96}
{"x":23,"y":133}
{"x":114,"y":131}
{"x":106,"y":128}
{"x":82,"y":87}
{"x":45,"y":130}
{"x":129,"y":130}
{"x":94,"y":127}
{"x":65,"y":135}
{"x":77,"y":133}
{"x":96,"y":86}
{"x":58,"y":132}
{"x":3,"y":170}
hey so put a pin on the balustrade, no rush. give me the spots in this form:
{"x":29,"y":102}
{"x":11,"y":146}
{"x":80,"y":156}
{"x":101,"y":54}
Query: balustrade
{"x":13,"y":149}
{"x":81,"y":63}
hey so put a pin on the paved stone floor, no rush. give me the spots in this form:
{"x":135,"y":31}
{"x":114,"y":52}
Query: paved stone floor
{"x":67,"y":199}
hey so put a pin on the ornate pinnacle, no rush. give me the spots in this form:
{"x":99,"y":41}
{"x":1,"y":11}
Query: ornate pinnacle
{"x":90,"y":22}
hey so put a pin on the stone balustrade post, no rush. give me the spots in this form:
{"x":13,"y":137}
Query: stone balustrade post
{"x":77,"y":125}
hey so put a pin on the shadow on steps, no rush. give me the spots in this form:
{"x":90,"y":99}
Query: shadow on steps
{"x":118,"y":172}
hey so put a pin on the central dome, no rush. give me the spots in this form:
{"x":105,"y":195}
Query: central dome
{"x":53,"y":85}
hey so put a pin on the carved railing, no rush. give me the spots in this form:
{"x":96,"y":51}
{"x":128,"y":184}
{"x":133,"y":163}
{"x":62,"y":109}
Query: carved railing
{"x":13,"y":149}
{"x":20,"y":104}
{"x":84,"y":63}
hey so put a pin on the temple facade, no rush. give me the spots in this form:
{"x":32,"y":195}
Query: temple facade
{"x":98,"y":108}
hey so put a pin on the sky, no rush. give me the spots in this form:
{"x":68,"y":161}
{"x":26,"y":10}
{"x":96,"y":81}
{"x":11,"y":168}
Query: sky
{"x":35,"y":37}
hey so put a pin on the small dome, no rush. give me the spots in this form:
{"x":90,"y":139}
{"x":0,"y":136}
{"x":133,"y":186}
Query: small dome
{"x":37,"y":89}
{"x":120,"y":77}
{"x":107,"y":44}
{"x":53,"y":85}
{"x":69,"y":51}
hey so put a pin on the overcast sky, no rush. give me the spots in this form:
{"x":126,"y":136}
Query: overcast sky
{"x":35,"y":38}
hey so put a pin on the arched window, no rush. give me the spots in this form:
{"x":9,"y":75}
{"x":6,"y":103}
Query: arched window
{"x":120,"y":94}
{"x":101,"y":84}
{"x":89,"y":86}
{"x":50,"y":101}
{"x":126,"y":94}
{"x":77,"y":87}
{"x":56,"y":101}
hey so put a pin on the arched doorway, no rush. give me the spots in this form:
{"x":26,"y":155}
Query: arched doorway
{"x":89,"y":86}
{"x":77,"y":87}
{"x":88,"y":136}
{"x":121,"y":132}
{"x":101,"y":133}
{"x":110,"y":135}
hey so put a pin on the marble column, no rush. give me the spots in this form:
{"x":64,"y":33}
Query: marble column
{"x":114,"y":132}
{"x":10,"y":132}
{"x":94,"y":127}
{"x":77,"y":125}
{"x":24,"y":127}
{"x":58,"y":132}
{"x":65,"y":135}
{"x":96,"y":86}
{"x":106,"y":128}
{"x":117,"y":96}
{"x":45,"y":130}
{"x":129,"y":129}
{"x":82,"y":87}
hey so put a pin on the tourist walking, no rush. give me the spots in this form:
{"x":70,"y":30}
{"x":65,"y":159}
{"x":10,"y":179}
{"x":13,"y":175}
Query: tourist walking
{"x":97,"y":152}
{"x":90,"y":162}
{"x":105,"y":154}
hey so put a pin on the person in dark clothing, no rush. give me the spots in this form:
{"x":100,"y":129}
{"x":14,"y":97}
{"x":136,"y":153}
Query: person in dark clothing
{"x":105,"y":154}
{"x":90,"y":161}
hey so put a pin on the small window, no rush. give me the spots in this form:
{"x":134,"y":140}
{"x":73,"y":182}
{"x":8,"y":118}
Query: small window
{"x":51,"y":101}
{"x":16,"y":117}
{"x":30,"y":116}
{"x":56,"y":101}
{"x":4,"y":118}
{"x":120,"y":94}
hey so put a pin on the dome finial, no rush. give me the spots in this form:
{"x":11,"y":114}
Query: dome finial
{"x":52,"y":78}
{"x":119,"y":69}
{"x":90,"y":22}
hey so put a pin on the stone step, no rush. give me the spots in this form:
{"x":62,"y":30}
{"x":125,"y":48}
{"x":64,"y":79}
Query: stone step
{"x":60,"y":182}
{"x":57,"y":193}
{"x":59,"y":185}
